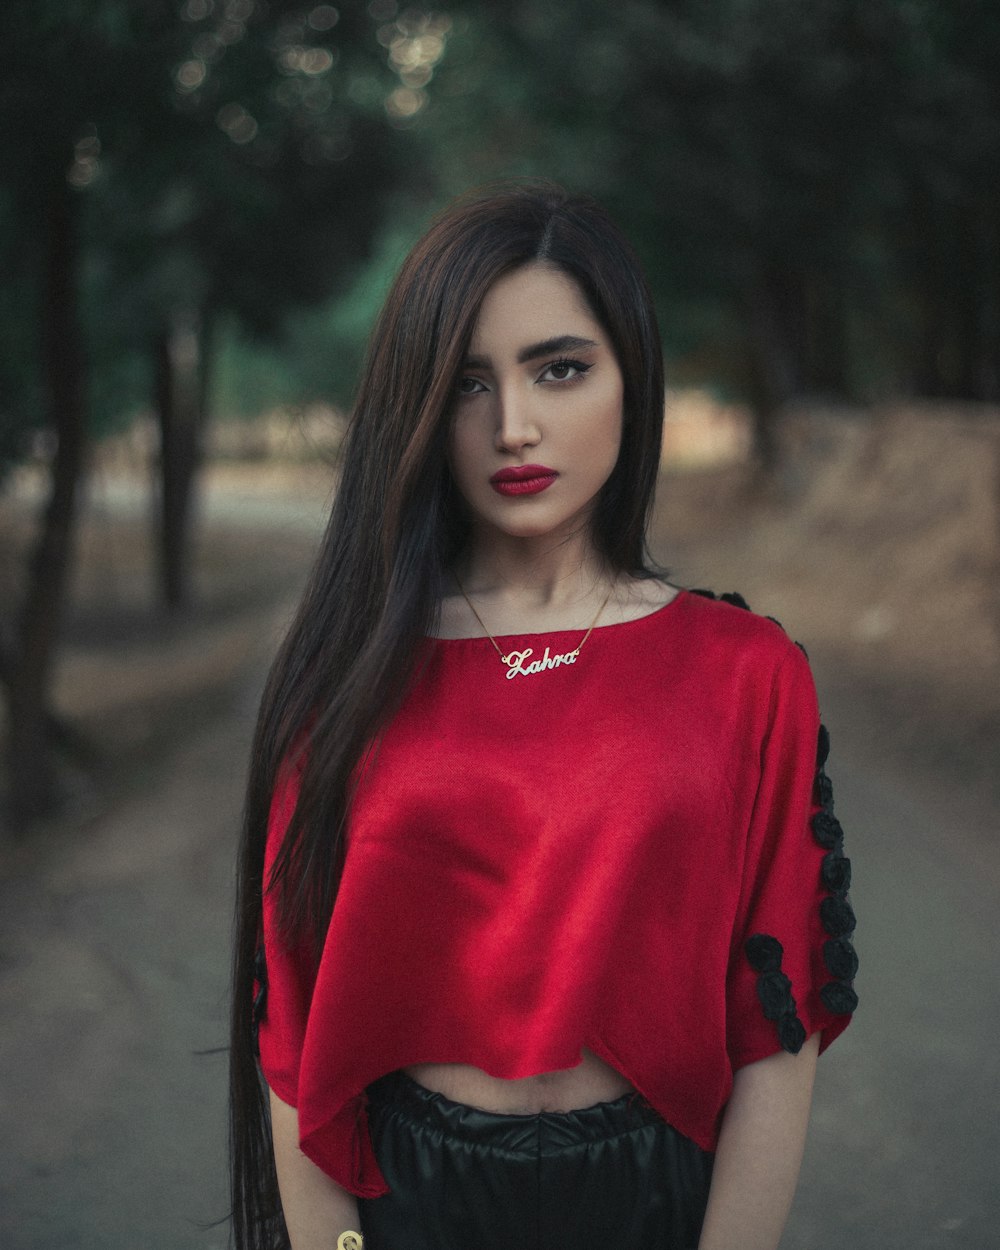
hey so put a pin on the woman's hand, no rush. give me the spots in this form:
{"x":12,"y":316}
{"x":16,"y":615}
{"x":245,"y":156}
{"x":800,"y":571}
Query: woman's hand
{"x":760,"y":1151}
{"x":317,"y":1210}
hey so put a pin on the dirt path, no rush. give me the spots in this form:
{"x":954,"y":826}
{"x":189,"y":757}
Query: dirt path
{"x":112,"y":987}
{"x":113,"y":941}
{"x":905,"y":1136}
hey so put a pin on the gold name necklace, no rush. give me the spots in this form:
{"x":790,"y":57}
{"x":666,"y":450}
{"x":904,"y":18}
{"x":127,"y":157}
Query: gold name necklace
{"x":519,"y":663}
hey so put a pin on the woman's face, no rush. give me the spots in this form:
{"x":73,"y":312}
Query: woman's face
{"x":537,"y":415}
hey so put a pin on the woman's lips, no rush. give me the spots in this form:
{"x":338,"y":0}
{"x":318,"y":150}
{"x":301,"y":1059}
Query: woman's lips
{"x":524,"y":479}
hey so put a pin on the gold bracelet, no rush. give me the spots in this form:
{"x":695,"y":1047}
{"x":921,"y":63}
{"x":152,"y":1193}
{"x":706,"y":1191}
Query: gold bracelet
{"x":350,"y":1241}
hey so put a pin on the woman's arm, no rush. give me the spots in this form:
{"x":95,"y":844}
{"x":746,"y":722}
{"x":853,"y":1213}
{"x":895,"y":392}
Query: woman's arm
{"x":317,"y":1210}
{"x":760,"y":1151}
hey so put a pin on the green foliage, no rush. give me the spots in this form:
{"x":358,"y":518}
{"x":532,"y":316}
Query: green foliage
{"x":320,"y":351}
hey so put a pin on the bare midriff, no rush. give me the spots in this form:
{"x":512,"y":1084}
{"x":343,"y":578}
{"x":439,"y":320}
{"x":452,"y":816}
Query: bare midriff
{"x":569,"y":1089}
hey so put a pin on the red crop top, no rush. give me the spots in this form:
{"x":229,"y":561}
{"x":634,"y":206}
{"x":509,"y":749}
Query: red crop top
{"x":635,"y":853}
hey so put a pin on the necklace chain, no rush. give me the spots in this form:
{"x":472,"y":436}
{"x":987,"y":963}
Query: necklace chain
{"x":510,"y":659}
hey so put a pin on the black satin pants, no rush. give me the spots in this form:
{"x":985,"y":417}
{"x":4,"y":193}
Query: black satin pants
{"x":614,"y":1175}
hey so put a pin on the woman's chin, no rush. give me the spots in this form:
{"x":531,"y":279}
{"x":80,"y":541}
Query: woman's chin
{"x":531,"y":533}
{"x":532,"y":528}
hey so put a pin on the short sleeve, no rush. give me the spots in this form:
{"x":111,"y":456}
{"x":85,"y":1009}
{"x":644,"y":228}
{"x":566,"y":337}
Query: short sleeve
{"x":286,"y":972}
{"x":792,"y":963}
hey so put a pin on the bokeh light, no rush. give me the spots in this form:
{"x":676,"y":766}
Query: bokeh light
{"x":231,"y":31}
{"x":323,"y":17}
{"x":299,"y":59}
{"x":415,"y":43}
{"x":317,"y":97}
{"x":236,"y":122}
{"x":405,"y":103}
{"x":189,"y":75}
{"x":86,"y":162}
{"x":207,"y":47}
{"x":197,"y":10}
{"x":314,"y":61}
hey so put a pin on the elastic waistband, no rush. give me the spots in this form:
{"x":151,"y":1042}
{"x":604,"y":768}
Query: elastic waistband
{"x":431,"y":1110}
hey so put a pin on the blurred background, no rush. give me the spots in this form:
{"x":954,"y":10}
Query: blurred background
{"x":202,"y":203}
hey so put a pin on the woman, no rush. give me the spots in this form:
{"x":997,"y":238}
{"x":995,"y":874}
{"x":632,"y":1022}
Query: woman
{"x":543,"y":915}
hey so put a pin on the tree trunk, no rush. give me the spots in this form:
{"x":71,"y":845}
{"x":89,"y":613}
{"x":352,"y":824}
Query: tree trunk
{"x":825,"y":323}
{"x":772,"y":370}
{"x":33,"y":785}
{"x":987,"y":365}
{"x":966,"y":277}
{"x":991,"y":295}
{"x":180,"y":358}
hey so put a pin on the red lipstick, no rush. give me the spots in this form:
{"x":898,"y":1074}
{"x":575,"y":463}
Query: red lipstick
{"x":523,"y":479}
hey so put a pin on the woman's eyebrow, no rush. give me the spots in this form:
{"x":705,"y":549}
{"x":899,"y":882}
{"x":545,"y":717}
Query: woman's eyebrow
{"x":560,"y":343}
{"x":557,"y":345}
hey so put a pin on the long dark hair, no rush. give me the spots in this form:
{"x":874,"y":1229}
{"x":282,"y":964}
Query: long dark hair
{"x":395,"y":529}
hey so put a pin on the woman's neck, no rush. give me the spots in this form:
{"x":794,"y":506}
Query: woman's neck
{"x":534,"y":575}
{"x":521,"y":585}
{"x":540,"y":587}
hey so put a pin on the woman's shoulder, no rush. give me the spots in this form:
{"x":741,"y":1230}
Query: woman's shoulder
{"x":728,"y":622}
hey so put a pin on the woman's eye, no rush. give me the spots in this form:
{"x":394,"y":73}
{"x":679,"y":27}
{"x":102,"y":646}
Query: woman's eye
{"x":470,"y":386}
{"x":564,"y":371}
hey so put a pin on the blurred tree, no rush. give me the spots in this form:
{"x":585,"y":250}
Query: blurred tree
{"x":165,"y":164}
{"x":946,"y":131}
{"x":262,"y":193}
{"x":41,"y":106}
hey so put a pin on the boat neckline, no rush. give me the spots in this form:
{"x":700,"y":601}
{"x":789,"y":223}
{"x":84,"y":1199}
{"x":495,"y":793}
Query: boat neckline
{"x":682,"y":592}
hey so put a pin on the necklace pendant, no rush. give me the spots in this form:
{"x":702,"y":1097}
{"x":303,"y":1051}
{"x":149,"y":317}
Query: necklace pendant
{"x":520,"y":664}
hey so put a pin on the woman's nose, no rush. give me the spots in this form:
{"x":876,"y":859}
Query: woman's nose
{"x":516,"y":426}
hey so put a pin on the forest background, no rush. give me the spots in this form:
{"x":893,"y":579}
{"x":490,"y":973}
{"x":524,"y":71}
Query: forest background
{"x":202,"y":203}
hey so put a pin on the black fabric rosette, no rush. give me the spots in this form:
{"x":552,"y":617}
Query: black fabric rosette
{"x":774,"y":990}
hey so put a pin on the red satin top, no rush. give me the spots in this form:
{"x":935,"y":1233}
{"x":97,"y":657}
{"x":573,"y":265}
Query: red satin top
{"x":573,"y":857}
